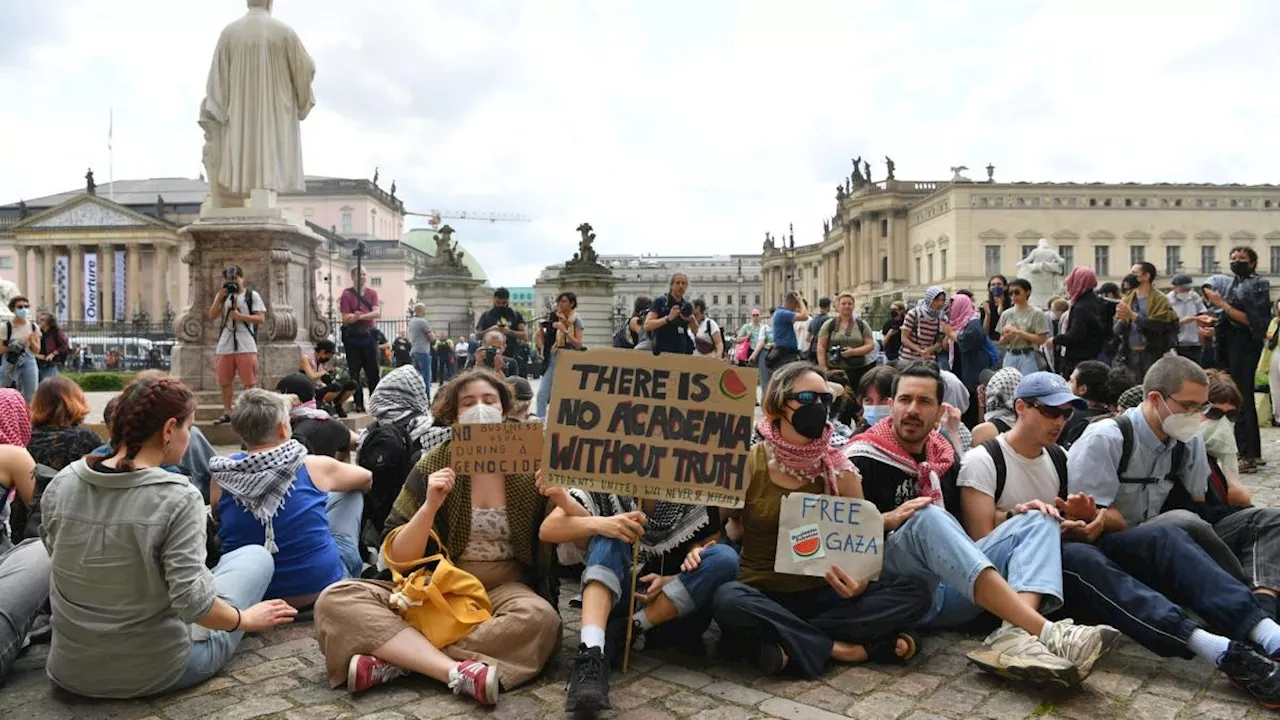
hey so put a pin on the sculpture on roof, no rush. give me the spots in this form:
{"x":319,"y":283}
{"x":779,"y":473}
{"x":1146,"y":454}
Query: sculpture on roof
{"x":447,"y":253}
{"x":23,"y":212}
{"x":375,"y":176}
{"x":586,"y":253}
{"x":89,"y":185}
{"x":393,"y":189}
{"x":826,"y":227}
{"x":889,"y":165}
{"x":257,"y":95}
{"x":857,"y":171}
{"x":160,"y":209}
{"x":956,"y":176}
{"x":768,"y":241}
{"x":840,"y":193}
{"x":866,"y":166}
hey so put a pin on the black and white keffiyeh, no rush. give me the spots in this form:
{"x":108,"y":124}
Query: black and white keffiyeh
{"x":260,"y":482}
{"x":401,"y":397}
{"x":669,"y":526}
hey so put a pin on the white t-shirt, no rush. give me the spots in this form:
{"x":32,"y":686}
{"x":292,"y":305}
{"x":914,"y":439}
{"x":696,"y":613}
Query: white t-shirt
{"x":242,"y":341}
{"x":1025,"y":479}
{"x":707,"y":331}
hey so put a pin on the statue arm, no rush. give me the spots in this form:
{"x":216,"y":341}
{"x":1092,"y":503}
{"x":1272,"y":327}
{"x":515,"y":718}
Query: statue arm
{"x":303,"y":70}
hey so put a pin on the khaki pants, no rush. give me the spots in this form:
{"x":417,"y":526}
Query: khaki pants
{"x":353,"y":618}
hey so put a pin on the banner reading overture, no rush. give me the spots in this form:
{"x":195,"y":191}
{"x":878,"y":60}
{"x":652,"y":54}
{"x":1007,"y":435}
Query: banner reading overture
{"x":663,"y":427}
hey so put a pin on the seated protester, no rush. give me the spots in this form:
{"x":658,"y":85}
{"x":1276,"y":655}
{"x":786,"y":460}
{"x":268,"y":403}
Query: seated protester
{"x":1120,"y":577}
{"x":906,"y":467}
{"x":488,"y":525}
{"x":875,"y":393}
{"x":1130,"y":398}
{"x":122,"y":628}
{"x":1089,"y":382}
{"x":57,"y":436}
{"x":329,"y":390}
{"x":304,"y":509}
{"x":24,"y":588}
{"x":402,"y":401}
{"x":795,"y":623}
{"x":1217,"y":427}
{"x":682,"y":568}
{"x":313,"y":427}
{"x":490,"y":356}
{"x":522,"y":411}
{"x":999,"y":415}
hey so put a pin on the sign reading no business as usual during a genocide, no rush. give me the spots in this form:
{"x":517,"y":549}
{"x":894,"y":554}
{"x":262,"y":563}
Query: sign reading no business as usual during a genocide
{"x":501,"y":448}
{"x":663,"y":427}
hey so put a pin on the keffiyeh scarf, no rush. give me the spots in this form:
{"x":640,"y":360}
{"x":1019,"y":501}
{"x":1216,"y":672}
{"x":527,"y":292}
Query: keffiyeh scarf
{"x":1000,"y":391}
{"x":881,"y":443}
{"x":668,"y":527}
{"x":261,"y":482}
{"x":817,"y":459}
{"x":401,"y":397}
{"x":926,"y":304}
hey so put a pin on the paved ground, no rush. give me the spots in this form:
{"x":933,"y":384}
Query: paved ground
{"x":281,"y":675}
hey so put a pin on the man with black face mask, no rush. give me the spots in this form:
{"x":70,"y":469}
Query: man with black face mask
{"x":892,"y":331}
{"x":1246,"y":311}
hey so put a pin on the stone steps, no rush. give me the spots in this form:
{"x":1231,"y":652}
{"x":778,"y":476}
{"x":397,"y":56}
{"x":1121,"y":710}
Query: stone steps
{"x":224,"y":435}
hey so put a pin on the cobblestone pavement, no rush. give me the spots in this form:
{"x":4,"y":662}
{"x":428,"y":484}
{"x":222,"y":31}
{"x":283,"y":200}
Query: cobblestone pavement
{"x":281,"y":675}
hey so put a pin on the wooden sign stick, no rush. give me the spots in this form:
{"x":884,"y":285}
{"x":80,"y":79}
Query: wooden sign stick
{"x":631,"y":604}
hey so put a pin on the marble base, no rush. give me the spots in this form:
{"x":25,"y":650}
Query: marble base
{"x":451,"y":302}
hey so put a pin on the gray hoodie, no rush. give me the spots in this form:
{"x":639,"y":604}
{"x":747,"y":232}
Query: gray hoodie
{"x":128,"y":552}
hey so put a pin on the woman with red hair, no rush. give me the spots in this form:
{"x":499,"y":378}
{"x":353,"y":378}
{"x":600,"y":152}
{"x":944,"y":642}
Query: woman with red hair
{"x":57,"y":437}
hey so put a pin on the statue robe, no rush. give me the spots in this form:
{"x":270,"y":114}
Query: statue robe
{"x":258,"y":93}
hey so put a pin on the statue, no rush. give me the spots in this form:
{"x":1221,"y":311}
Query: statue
{"x":23,"y":212}
{"x":840,"y":193}
{"x":393,"y":189}
{"x":888,"y":163}
{"x":768,"y":241}
{"x":586,"y":253}
{"x":8,"y":291}
{"x":857,"y":171}
{"x":826,"y":227}
{"x":991,"y":173}
{"x":89,"y":185}
{"x":866,"y":165}
{"x":956,"y":176}
{"x":1044,"y":269}
{"x":257,"y":95}
{"x":375,"y":176}
{"x":160,"y":207}
{"x":447,"y":254}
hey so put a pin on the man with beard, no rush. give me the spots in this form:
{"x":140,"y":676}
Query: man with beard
{"x":905,"y":463}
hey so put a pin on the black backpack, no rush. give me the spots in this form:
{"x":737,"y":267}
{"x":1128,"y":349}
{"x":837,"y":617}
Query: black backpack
{"x":1056,"y":454}
{"x":389,"y":453}
{"x":623,"y":338}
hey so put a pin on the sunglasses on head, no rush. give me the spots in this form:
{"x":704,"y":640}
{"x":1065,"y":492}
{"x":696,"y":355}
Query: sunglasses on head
{"x":810,"y":397}
{"x":1051,"y":412}
{"x":1215,"y":413}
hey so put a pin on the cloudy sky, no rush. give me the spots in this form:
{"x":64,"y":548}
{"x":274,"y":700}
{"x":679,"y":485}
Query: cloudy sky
{"x":672,"y":126}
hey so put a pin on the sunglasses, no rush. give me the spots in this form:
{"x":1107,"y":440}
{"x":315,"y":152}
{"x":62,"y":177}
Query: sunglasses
{"x":810,"y":397}
{"x":1053,"y":413}
{"x":1215,"y":413}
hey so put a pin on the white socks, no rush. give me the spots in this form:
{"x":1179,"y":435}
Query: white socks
{"x":1267,"y":634}
{"x":643,"y":620}
{"x":1208,"y":646}
{"x":1044,"y":632}
{"x":593,"y":636}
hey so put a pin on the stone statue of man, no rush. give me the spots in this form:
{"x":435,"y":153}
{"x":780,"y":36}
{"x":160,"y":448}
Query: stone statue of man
{"x":259,"y":92}
{"x":1043,"y":267}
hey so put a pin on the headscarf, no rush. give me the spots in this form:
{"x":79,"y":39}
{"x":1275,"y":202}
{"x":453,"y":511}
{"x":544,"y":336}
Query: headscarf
{"x":960,"y":315}
{"x":15,"y":422}
{"x":1081,"y":280}
{"x":881,"y":443}
{"x":818,"y":458}
{"x":401,"y":397}
{"x":260,"y":482}
{"x":926,"y":305}
{"x":1001,"y":388}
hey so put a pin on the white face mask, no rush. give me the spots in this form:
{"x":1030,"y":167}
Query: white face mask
{"x":1180,"y":426}
{"x":480,"y":414}
{"x":873,"y":414}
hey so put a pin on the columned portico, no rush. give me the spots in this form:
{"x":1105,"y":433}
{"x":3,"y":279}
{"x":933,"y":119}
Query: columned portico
{"x":133,"y":301}
{"x":23,"y":280}
{"x":106,"y":282}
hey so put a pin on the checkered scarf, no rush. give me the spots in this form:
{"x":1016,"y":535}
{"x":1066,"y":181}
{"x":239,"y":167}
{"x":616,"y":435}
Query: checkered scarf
{"x":260,"y":482}
{"x":401,"y":397}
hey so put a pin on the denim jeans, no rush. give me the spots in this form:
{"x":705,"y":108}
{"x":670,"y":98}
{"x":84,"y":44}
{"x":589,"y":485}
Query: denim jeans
{"x":1136,"y":581}
{"x":23,"y":375}
{"x":24,"y":588}
{"x":422,"y":363}
{"x":544,"y":387}
{"x":609,"y":563}
{"x":1250,"y":536}
{"x":1025,"y":550}
{"x":1026,"y":363}
{"x":345,"y":510}
{"x":240,"y":578}
{"x":47,"y":372}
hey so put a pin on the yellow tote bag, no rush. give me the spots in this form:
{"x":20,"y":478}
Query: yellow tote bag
{"x":441,"y":601}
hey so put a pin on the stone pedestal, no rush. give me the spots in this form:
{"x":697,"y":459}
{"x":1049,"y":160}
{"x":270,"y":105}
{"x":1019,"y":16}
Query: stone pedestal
{"x":279,"y":261}
{"x":450,"y":300}
{"x":594,"y":288}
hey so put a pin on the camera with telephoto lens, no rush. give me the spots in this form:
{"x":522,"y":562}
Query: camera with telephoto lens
{"x":490,"y":353}
{"x":834,"y":355}
{"x":230,"y":285}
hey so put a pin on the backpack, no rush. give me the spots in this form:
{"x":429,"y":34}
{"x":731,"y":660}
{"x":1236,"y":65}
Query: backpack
{"x":389,"y":453}
{"x":815,"y":330}
{"x":1178,"y":495}
{"x":622,"y":337}
{"x":993,"y":354}
{"x":1056,"y":454}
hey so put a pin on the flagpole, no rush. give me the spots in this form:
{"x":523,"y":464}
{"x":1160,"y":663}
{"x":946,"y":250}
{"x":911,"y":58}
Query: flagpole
{"x":111,"y":157}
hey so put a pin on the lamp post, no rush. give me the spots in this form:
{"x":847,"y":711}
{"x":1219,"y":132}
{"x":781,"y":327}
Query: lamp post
{"x":791,"y":260}
{"x":742,"y":300}
{"x":333,"y":232}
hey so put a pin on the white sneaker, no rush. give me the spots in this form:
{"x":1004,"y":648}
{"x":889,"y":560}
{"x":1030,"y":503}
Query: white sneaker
{"x":1014,"y":653}
{"x":1083,"y":645}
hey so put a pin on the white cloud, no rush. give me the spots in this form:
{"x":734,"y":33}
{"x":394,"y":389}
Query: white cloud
{"x":670,"y":126}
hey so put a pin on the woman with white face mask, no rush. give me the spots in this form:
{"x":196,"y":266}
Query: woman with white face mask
{"x":488,"y":524}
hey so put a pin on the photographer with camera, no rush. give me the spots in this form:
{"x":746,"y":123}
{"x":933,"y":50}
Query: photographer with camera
{"x":237,"y":351}
{"x":492,"y":355}
{"x":21,"y":344}
{"x":359,"y":306}
{"x":330,"y":390}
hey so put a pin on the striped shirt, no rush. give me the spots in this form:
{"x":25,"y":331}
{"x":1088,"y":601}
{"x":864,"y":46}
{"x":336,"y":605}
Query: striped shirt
{"x":923,"y":331}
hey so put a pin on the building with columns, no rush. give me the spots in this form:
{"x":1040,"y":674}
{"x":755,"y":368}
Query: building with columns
{"x":891,"y":239}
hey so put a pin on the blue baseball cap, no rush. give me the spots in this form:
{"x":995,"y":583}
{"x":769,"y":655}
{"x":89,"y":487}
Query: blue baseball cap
{"x":1049,"y":389}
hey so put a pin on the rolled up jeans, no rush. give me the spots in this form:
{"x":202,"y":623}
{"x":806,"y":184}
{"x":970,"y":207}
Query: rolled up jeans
{"x":609,"y":563}
{"x":24,"y":588}
{"x":1026,"y":550}
{"x":22,"y":374}
{"x":344,"y":510}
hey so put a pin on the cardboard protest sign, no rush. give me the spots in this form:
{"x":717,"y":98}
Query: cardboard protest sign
{"x":816,"y":532}
{"x":663,"y":427}
{"x":502,"y":448}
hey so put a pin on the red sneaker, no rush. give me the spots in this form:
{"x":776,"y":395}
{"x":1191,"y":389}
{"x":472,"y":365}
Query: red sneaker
{"x":475,"y":679}
{"x":366,"y":671}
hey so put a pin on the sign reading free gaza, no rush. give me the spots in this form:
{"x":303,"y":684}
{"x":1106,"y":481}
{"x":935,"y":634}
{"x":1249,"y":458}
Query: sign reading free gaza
{"x":816,"y":532}
{"x":662,"y":427}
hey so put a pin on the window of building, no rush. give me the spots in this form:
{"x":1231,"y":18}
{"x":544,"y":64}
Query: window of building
{"x":1102,"y":260}
{"x":6,"y":262}
{"x":884,"y":269}
{"x":348,"y":222}
{"x":715,"y":299}
{"x":1208,"y":259}
{"x":374,"y":282}
{"x":991,"y":261}
{"x":1172,"y":259}
{"x":815,"y":272}
{"x":757,"y":298}
{"x":1068,"y":253}
{"x":930,"y":260}
{"x":942,"y":264}
{"x":1275,"y":259}
{"x":1137,"y":254}
{"x":884,"y":227}
{"x":1026,"y":250}
{"x":744,"y":300}
{"x":919,"y":278}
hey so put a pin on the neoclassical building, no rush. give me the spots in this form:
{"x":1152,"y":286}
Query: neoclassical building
{"x":893,"y":238}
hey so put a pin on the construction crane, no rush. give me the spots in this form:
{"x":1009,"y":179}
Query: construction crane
{"x":434,"y":217}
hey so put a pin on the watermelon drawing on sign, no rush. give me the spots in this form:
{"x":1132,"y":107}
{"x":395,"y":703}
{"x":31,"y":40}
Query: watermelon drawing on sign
{"x":806,"y":543}
{"x":731,"y":385}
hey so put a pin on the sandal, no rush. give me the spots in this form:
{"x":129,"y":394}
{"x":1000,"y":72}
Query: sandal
{"x":885,"y":651}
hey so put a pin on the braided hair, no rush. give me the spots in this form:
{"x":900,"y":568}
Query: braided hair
{"x":141,"y":412}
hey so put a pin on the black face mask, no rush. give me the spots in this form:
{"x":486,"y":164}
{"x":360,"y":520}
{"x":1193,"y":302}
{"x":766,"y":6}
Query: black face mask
{"x":810,"y":420}
{"x":1241,"y":268}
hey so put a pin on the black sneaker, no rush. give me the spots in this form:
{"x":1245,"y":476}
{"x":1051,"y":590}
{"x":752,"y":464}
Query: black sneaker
{"x":588,"y":689}
{"x":615,"y":638}
{"x":1252,"y":672}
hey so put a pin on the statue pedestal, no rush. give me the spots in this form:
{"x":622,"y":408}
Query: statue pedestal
{"x":1044,"y":287}
{"x":595,"y":303}
{"x":450,"y":300}
{"x":279,"y":262}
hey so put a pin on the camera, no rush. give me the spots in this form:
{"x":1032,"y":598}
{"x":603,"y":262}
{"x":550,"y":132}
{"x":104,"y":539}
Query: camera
{"x":490,"y":353}
{"x":229,"y":275}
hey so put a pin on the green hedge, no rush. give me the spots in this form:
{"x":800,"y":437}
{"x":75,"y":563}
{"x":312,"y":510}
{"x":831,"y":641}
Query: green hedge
{"x":101,"y":381}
